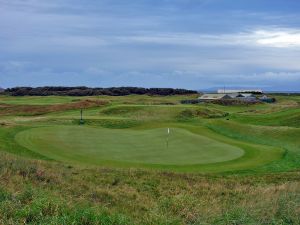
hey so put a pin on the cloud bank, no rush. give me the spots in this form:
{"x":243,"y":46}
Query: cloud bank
{"x":190,"y":44}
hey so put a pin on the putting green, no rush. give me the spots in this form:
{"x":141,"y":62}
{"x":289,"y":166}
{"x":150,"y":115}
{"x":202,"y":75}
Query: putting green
{"x":98,"y":145}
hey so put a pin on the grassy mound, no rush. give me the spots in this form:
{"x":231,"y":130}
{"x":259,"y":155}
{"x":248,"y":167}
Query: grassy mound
{"x":143,"y":112}
{"x":287,"y":138}
{"x":201,"y":113}
{"x":32,"y":110}
{"x":285,"y":117}
{"x":162,"y":112}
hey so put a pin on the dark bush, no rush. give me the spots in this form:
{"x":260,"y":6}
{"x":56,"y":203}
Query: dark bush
{"x":191,"y":101}
{"x":86,"y":91}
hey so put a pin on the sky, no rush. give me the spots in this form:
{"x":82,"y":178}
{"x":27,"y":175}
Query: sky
{"x":194,"y":44}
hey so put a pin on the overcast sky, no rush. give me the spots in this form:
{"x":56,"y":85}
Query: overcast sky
{"x":194,"y":44}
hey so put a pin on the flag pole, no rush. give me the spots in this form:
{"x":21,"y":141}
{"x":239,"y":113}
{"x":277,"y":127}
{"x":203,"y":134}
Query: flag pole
{"x":81,"y":119}
{"x":168,"y":132}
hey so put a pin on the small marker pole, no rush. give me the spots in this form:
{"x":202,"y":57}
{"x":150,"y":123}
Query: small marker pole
{"x":168,"y":137}
{"x":81,"y":120}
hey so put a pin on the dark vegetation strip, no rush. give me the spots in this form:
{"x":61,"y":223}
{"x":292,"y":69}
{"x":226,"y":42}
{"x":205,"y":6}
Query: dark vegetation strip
{"x":86,"y":91}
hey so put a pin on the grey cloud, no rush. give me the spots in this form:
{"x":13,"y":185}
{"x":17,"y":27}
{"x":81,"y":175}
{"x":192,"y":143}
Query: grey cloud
{"x":113,"y":42}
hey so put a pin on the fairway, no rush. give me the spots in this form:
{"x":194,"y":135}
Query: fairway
{"x":96,"y":145}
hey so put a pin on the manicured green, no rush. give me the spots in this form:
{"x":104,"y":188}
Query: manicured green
{"x":150,"y":146}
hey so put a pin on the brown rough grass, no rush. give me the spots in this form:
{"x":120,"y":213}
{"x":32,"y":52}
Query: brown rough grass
{"x":6,"y":109}
{"x":146,"y":196}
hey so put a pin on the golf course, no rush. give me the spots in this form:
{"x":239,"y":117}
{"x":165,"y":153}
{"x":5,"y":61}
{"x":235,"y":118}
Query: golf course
{"x":118,"y":142}
{"x":94,"y":146}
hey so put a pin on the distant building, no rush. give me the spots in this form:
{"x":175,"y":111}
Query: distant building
{"x":238,"y":95}
{"x":247,"y":97}
{"x":225,"y":91}
{"x":267,"y":99}
{"x":210,"y":97}
{"x":235,"y":95}
{"x":263,"y":97}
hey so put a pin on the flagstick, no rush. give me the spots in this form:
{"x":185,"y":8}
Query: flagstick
{"x":81,"y":120}
{"x":168,"y":138}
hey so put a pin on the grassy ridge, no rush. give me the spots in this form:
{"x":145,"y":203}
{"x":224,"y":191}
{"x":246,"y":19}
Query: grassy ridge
{"x":287,"y":117}
{"x":285,"y":137}
{"x":37,"y":100}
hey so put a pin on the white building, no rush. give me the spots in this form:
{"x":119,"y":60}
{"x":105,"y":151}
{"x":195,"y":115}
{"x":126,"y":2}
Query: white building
{"x":209,"y":97}
{"x":228,"y":91}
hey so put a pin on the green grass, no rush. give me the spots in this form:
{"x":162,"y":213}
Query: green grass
{"x":136,"y":136}
{"x":97,"y":145}
{"x":285,"y":117}
{"x":287,"y":138}
{"x":224,"y":164}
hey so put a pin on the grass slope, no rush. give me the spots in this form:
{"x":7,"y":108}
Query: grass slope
{"x":287,"y":138}
{"x":287,"y":117}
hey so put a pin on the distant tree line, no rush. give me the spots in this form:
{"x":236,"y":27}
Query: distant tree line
{"x":86,"y":91}
{"x":224,"y":101}
{"x":285,"y":94}
{"x":252,"y":92}
{"x":191,"y":101}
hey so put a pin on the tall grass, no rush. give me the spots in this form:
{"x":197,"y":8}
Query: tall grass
{"x":38,"y":192}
